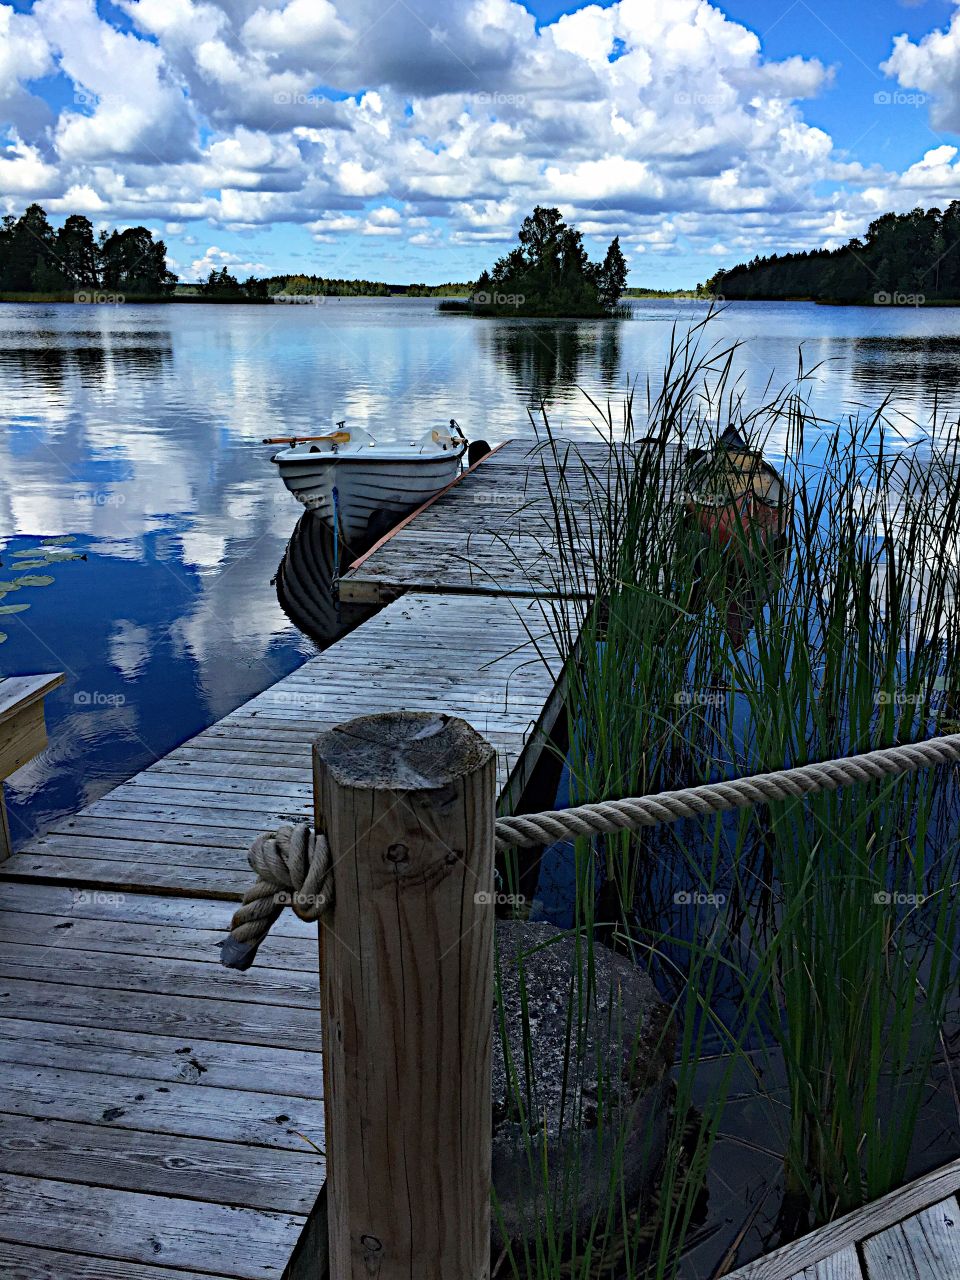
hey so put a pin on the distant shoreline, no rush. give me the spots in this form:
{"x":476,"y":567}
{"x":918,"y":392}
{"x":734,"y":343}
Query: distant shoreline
{"x":107,"y":297}
{"x":101,"y":297}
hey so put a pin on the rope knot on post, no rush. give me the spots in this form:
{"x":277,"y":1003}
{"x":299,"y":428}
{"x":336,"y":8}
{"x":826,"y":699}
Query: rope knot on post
{"x":294,"y":869}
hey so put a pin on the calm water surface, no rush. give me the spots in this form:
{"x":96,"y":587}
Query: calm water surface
{"x":136,"y":432}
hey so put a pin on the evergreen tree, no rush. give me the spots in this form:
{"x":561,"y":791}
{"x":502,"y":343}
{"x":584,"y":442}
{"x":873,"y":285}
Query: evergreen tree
{"x":28,"y":253}
{"x":76,"y":252}
{"x":612,"y":276}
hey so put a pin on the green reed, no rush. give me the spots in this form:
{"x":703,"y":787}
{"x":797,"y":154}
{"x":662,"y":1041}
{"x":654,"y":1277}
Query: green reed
{"x":838,"y":923}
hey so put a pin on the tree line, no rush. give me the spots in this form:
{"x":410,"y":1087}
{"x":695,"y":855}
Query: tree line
{"x":327,"y":286}
{"x":36,"y":258}
{"x":902,"y":255}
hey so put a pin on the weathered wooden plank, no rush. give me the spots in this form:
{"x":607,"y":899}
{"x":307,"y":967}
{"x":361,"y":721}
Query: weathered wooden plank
{"x":83,"y":824}
{"x":844,"y":1265}
{"x":282,"y":1070}
{"x":236,"y":794}
{"x":119,"y":970}
{"x":107,"y":876}
{"x":251,"y":764}
{"x":261,"y":793}
{"x":198,"y":945}
{"x":237,"y":806}
{"x":163,"y":1014}
{"x":190,"y":1110}
{"x":248,"y":1244}
{"x":83,"y":903}
{"x":17,"y":692}
{"x":221,"y":1172}
{"x":141,"y":853}
{"x":854,"y":1227}
{"x":29,"y":1262}
{"x":927,"y":1244}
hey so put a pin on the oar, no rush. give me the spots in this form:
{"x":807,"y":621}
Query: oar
{"x":338,"y":437}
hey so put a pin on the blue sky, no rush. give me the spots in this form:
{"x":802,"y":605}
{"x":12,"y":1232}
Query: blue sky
{"x":394,"y":141}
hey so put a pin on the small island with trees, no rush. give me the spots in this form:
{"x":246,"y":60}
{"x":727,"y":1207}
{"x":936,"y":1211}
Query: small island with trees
{"x":907,"y":258}
{"x":549,"y":274}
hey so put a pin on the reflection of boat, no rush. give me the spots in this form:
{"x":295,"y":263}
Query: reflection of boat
{"x":348,"y":476}
{"x":306,"y":582}
{"x":732,"y":491}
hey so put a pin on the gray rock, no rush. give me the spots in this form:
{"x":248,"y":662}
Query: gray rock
{"x":576,"y":1100}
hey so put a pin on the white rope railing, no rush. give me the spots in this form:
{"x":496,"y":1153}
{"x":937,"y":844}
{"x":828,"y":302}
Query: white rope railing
{"x":293,"y":864}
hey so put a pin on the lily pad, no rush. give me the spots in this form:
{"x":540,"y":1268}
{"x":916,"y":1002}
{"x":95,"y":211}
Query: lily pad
{"x":8,"y":586}
{"x":3,"y":636}
{"x":13,"y":608}
{"x":35,"y":580}
{"x":32,"y":564}
{"x":56,"y":542}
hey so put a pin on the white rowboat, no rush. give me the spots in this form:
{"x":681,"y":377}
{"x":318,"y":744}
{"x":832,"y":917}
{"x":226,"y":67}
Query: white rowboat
{"x":348,"y":477}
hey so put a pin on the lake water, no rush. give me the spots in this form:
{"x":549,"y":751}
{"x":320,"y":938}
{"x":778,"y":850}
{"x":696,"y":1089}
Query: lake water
{"x":136,"y":431}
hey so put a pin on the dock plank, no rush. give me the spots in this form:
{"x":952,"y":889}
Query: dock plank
{"x":190,"y":1110}
{"x":937,"y":1189}
{"x":844,"y":1265}
{"x":30,"y":1262}
{"x":163,"y":1014}
{"x":135,"y":1227}
{"x":924,"y":1245}
{"x":274,"y":1069}
{"x":159,"y":1163}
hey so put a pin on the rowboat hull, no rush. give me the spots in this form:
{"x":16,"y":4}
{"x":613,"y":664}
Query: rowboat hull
{"x":365,"y":486}
{"x":746,"y":499}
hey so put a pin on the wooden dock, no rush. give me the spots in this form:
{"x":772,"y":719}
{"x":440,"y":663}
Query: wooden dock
{"x":161,"y":1115}
{"x":493,"y":532}
{"x":911,"y":1234}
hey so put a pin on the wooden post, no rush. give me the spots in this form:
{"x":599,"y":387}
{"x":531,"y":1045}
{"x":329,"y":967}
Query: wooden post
{"x":407,"y":801}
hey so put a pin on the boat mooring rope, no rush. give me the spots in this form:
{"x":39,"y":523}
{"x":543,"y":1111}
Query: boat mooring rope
{"x":294,"y":867}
